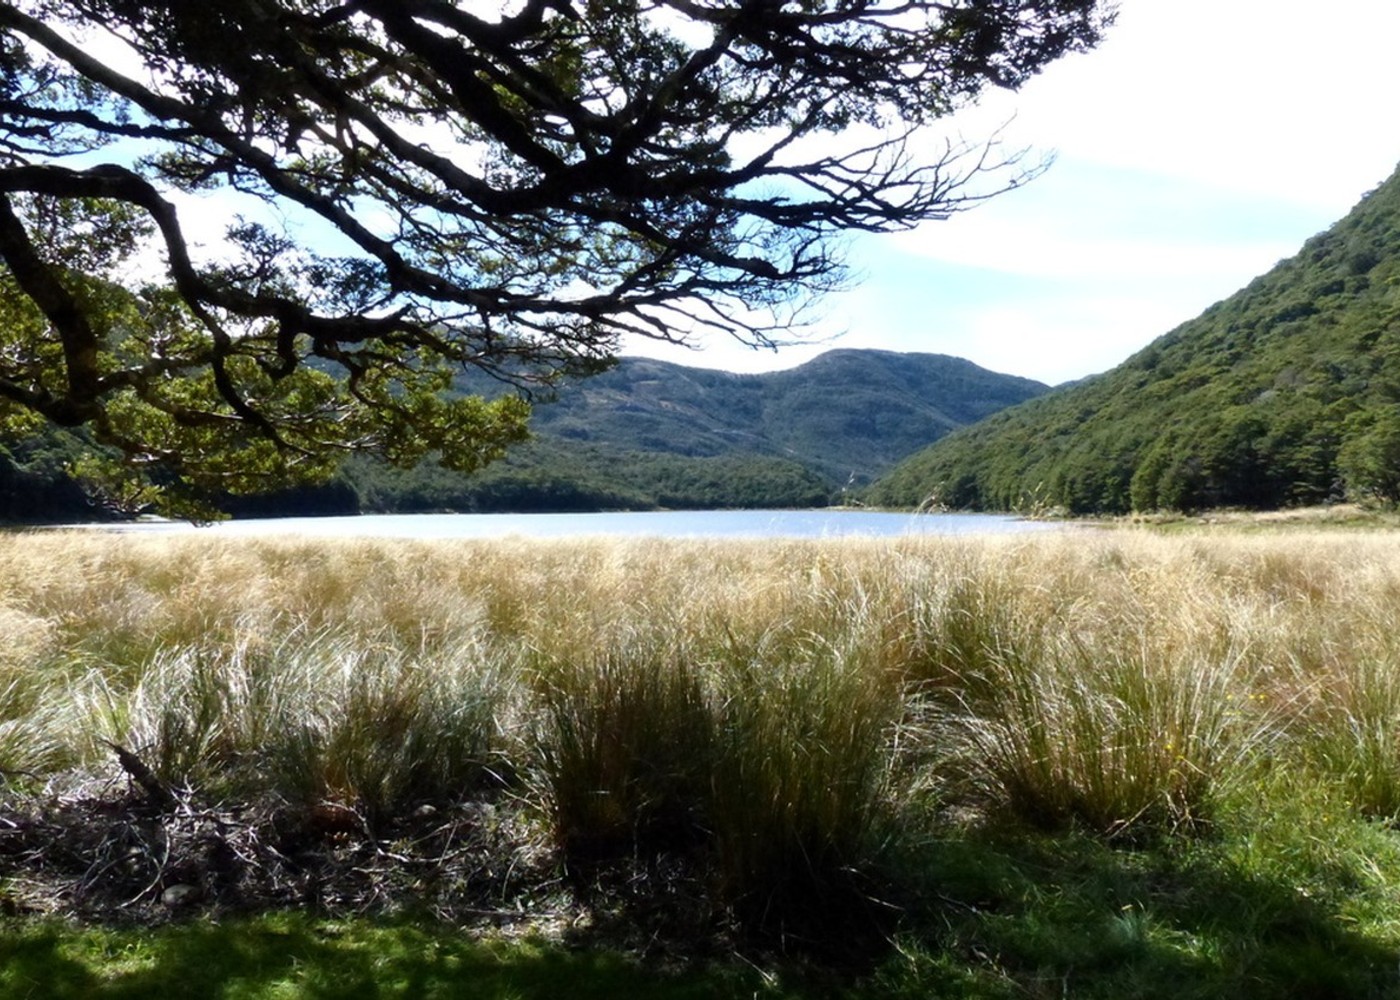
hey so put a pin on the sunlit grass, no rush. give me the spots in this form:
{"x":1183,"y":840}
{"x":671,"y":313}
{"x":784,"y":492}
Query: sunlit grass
{"x":1117,"y":742}
{"x":291,"y":957}
{"x":795,"y":721}
{"x":319,"y":717}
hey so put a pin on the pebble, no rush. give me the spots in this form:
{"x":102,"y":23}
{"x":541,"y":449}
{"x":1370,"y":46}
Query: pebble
{"x":179,"y":895}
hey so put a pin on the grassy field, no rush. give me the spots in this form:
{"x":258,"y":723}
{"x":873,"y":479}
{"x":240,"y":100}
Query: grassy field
{"x":1104,"y":763}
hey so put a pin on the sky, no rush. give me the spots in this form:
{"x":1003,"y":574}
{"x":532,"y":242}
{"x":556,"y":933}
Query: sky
{"x":1199,"y":144}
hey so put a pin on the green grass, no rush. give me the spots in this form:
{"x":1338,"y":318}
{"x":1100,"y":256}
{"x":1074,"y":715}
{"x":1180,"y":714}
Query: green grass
{"x":289,"y":957}
{"x":1294,"y":899}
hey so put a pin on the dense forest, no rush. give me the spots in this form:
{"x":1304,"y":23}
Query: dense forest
{"x":848,"y":415}
{"x":651,"y":434}
{"x":643,"y":435}
{"x":1286,"y":393}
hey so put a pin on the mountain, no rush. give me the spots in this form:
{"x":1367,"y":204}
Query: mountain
{"x":645,"y":434}
{"x":650,"y":433}
{"x":846,"y":414}
{"x":1286,"y":393}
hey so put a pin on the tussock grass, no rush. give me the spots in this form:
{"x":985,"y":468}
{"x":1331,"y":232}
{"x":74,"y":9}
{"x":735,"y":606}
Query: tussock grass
{"x":1356,"y":733}
{"x":776,"y":713}
{"x":1115,"y":742}
{"x":33,"y":741}
{"x":319,"y":717}
{"x":624,"y":750}
{"x":799,"y":789}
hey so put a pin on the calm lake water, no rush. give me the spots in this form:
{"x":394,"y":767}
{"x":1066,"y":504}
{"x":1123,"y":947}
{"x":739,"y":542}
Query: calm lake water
{"x":662,"y":524}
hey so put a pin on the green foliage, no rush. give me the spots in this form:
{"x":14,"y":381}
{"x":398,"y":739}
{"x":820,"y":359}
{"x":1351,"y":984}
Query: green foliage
{"x":177,"y":433}
{"x":34,"y":484}
{"x":1369,"y":459}
{"x":651,"y":434}
{"x":552,"y":475}
{"x":1282,"y":395}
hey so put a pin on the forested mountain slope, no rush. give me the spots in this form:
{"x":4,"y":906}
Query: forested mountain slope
{"x":649,"y":434}
{"x":1286,"y":393}
{"x":846,"y":413}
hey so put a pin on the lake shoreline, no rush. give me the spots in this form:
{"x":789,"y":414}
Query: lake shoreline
{"x":814,"y":523}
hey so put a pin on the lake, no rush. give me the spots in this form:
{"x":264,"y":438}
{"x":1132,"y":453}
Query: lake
{"x":662,"y":524}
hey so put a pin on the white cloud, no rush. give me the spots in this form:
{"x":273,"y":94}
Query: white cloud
{"x":1066,"y":337}
{"x":1261,"y":97}
{"x":1003,"y":246}
{"x":1200,"y":143}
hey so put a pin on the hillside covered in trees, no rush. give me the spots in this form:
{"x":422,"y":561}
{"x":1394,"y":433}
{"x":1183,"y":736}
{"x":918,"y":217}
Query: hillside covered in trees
{"x":654,"y":434}
{"x":645,"y":434}
{"x":1286,"y":393}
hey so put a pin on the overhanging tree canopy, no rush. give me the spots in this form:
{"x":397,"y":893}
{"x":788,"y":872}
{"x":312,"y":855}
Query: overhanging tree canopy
{"x":425,"y":184}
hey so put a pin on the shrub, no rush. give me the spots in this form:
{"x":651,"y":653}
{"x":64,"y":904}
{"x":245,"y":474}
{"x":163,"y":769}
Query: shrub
{"x":1122,"y":744}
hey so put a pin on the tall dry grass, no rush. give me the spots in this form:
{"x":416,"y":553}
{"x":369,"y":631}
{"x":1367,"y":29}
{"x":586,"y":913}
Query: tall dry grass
{"x":320,"y":717}
{"x":623,"y":747}
{"x":770,"y":705}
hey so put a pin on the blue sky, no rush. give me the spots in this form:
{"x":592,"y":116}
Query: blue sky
{"x":1202,"y":142}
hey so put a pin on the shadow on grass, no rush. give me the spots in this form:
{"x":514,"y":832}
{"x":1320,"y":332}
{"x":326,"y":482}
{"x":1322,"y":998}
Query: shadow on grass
{"x":1013,"y":916}
{"x":1070,"y":916}
{"x":290,"y":956}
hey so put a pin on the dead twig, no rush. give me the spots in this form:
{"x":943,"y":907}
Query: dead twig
{"x":157,"y":793}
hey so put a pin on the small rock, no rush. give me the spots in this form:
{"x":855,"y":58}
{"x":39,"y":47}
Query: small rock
{"x":481,"y":813}
{"x":179,"y":895}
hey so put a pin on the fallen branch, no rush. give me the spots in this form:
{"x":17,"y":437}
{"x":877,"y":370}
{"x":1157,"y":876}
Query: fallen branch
{"x":157,"y":793}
